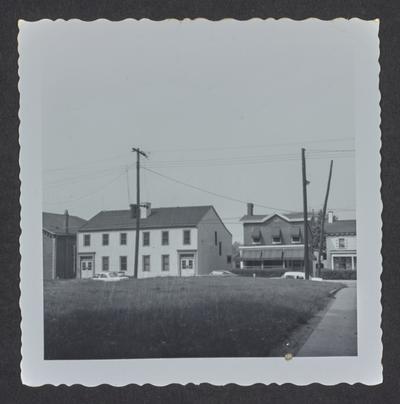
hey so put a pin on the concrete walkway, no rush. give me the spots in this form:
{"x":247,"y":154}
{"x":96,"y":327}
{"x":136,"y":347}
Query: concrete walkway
{"x":336,"y":334}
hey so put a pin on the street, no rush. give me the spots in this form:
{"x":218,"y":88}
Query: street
{"x":336,"y":333}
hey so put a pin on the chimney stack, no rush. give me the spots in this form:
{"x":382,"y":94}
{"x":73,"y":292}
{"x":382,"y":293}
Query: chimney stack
{"x":66,"y":221}
{"x":330,"y":217}
{"x":250,"y":209}
{"x":148,"y":209}
{"x":135,"y":210}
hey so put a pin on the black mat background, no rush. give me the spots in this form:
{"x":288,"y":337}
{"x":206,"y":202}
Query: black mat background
{"x":11,"y":389}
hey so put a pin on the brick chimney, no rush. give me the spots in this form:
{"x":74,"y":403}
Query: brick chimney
{"x":135,"y":210}
{"x":330,"y":217}
{"x":66,"y":221}
{"x":250,"y":209}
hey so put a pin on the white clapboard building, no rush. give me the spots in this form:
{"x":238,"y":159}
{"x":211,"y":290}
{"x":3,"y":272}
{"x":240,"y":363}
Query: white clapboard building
{"x":174,"y":241}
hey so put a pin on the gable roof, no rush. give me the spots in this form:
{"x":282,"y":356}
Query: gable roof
{"x":290,"y":217}
{"x":55,"y":223}
{"x":187,"y":216}
{"x":341,"y":227}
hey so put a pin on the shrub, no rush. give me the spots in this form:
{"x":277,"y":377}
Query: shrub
{"x":342,"y":274}
{"x":263,"y":273}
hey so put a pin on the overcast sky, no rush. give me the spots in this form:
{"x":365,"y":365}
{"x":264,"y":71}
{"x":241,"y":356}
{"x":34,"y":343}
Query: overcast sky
{"x":223,"y":106}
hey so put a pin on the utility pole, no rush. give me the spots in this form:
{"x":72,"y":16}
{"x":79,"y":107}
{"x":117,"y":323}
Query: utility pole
{"x":138,"y":153}
{"x":306,"y":247}
{"x":321,"y":236}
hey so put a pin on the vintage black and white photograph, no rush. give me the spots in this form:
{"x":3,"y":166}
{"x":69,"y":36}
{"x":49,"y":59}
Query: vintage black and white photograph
{"x":205,"y":193}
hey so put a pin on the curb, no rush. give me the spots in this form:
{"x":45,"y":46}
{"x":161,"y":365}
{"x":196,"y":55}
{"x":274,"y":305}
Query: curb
{"x":333,"y":292}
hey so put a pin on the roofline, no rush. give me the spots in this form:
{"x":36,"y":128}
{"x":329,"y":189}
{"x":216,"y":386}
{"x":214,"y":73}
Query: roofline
{"x":266,"y":246}
{"x":61,"y":233}
{"x":215,"y":211}
{"x":134,"y":228}
{"x":63,"y":214}
{"x":343,"y":233}
{"x":267,"y":217}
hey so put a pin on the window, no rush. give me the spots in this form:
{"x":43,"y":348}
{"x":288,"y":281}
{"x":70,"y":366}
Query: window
{"x":220,"y":248}
{"x":295,"y":239}
{"x":105,"y":239}
{"x":105,"y":263}
{"x":165,"y":238}
{"x":229,"y":259}
{"x":186,"y":237}
{"x":123,"y":263}
{"x":215,"y":238}
{"x":122,"y":238}
{"x":86,"y":240}
{"x":276,"y":239}
{"x":341,"y":243}
{"x":146,"y":238}
{"x":165,"y":262}
{"x":146,"y":263}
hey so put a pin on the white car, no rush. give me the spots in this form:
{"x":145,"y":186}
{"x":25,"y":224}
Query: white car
{"x":222,"y":273}
{"x":293,"y":275}
{"x":298,"y":275}
{"x":108,"y":277}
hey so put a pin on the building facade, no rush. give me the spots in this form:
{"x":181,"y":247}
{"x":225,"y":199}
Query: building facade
{"x":274,"y":240}
{"x":59,"y":245}
{"x":341,"y":244}
{"x":181,"y":241}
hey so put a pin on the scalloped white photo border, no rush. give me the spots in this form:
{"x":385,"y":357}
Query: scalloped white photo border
{"x":365,"y":368}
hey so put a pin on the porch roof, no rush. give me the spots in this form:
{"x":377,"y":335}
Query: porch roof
{"x":274,"y":254}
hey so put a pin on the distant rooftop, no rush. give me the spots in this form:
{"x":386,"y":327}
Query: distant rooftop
{"x":341,"y":227}
{"x":187,"y":216}
{"x":290,"y":216}
{"x":55,"y":223}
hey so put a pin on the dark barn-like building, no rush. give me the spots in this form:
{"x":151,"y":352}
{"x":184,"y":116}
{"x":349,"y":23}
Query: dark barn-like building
{"x":59,"y":245}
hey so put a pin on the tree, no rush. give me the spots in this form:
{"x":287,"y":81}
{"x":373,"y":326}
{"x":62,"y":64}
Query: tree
{"x":315,"y":224}
{"x":236,"y":253}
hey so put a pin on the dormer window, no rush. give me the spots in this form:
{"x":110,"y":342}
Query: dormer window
{"x":276,"y":236}
{"x":276,"y":240}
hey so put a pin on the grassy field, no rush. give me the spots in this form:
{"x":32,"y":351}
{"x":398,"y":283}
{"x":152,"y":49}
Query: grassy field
{"x":175,"y":317}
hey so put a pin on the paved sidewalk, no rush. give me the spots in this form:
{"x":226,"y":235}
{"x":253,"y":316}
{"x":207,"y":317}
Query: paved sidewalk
{"x":336,"y":334}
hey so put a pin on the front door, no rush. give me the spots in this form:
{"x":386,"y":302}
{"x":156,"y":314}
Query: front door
{"x":187,"y":264}
{"x":86,"y":268}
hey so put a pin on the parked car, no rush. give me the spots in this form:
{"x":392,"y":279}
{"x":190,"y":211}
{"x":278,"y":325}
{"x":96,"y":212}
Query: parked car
{"x":122,"y":275}
{"x":108,"y":277}
{"x":298,"y":275}
{"x":293,"y":275}
{"x":222,"y":273}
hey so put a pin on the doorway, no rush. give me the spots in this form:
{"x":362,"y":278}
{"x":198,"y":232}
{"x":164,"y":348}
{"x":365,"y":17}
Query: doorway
{"x":87,"y":267}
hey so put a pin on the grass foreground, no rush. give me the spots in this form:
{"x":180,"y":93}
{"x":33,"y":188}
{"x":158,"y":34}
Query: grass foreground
{"x":175,"y":317}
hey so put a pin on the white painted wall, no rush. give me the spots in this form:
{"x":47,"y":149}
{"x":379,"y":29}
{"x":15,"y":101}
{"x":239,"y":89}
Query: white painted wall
{"x":114,"y":250}
{"x":332,"y":243}
{"x":332,"y":248}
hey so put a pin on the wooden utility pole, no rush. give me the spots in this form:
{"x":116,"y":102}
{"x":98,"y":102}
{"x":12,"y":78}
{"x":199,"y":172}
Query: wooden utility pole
{"x":321,"y":236}
{"x":305,"y":212}
{"x":138,"y":153}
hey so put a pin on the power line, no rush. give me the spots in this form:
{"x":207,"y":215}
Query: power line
{"x":301,"y":142}
{"x":127,"y":184}
{"x":83,"y":177}
{"x":87,"y":195}
{"x":87,"y":164}
{"x":245,"y":160}
{"x":213,"y":193}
